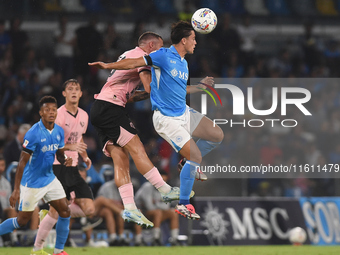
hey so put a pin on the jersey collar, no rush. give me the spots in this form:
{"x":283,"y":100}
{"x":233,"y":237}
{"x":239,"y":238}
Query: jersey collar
{"x":42,"y":127}
{"x":173,"y":49}
{"x":140,"y":49}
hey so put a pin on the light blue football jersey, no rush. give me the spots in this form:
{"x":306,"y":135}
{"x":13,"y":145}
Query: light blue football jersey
{"x":43,"y":144}
{"x":169,"y":81}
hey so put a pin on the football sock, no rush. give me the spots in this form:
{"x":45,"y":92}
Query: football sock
{"x":76,"y":211}
{"x":138,"y":238}
{"x":8,"y":226}
{"x":126,"y":193}
{"x":174,"y":233}
{"x":154,"y":177}
{"x":62,"y":230}
{"x":156,"y":233}
{"x":187,"y":178}
{"x":206,"y":146}
{"x":113,"y":237}
{"x":44,"y":228}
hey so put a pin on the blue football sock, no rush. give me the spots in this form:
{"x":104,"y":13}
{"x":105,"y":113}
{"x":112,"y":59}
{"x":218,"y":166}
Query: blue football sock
{"x":187,"y":178}
{"x":62,"y":229}
{"x":206,"y":146}
{"x":8,"y":226}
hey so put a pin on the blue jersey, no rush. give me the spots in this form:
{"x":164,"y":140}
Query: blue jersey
{"x":169,"y":82}
{"x":43,"y":145}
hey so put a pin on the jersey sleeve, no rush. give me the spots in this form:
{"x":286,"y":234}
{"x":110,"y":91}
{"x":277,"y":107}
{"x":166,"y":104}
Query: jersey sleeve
{"x":86,"y":122}
{"x":59,"y":120}
{"x":62,"y":139}
{"x":158,"y":57}
{"x":30,"y":142}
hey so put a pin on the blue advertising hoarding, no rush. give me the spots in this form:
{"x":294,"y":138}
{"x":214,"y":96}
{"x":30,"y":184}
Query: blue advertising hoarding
{"x":322,"y":219}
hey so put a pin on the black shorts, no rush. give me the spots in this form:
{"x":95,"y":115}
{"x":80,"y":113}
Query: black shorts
{"x":108,"y":119}
{"x":72,"y":181}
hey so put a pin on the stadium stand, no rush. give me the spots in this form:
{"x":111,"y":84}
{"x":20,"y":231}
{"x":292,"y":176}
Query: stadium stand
{"x":233,"y":6}
{"x":256,"y":7}
{"x":304,"y":8}
{"x":326,"y":7}
{"x":278,"y":7}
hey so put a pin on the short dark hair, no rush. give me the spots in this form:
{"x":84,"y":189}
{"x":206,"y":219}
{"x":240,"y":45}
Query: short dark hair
{"x":179,"y":30}
{"x":70,"y":81}
{"x":47,"y":99}
{"x":147,"y":36}
{"x":2,"y":157}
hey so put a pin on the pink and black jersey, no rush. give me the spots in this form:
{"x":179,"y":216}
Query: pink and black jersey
{"x":121,"y":84}
{"x":74,"y":127}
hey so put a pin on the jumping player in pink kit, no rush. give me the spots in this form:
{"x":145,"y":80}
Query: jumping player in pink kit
{"x":119,"y":136}
{"x":74,"y":122}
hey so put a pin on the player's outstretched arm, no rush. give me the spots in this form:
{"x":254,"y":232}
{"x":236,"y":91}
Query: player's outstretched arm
{"x":146,"y":79}
{"x":83,"y":154}
{"x":202,"y":85}
{"x":125,"y":64}
{"x":24,"y":158}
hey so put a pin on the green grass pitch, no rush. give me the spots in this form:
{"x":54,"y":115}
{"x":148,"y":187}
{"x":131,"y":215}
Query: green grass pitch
{"x":194,"y":250}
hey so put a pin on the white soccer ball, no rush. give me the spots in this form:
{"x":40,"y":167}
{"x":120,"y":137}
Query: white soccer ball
{"x":204,"y":21}
{"x":297,"y":236}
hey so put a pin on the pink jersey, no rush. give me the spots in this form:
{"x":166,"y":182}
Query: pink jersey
{"x":121,"y":84}
{"x":74,"y":127}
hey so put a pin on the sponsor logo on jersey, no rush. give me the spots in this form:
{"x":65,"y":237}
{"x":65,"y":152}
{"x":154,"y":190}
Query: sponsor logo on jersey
{"x":183,"y":75}
{"x":50,"y":147}
{"x":174,"y":72}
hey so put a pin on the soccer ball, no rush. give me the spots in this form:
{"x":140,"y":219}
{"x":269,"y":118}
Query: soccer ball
{"x":297,"y":236}
{"x":204,"y":21}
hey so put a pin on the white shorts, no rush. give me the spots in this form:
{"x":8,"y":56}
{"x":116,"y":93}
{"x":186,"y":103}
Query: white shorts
{"x":177,"y":131}
{"x":30,"y":197}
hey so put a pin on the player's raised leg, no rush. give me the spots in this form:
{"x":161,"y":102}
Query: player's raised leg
{"x":193,"y":155}
{"x":150,"y":172}
{"x":210,"y":137}
{"x":122,"y":178}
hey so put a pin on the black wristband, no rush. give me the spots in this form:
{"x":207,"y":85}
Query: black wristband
{"x":27,"y":151}
{"x":148,"y":60}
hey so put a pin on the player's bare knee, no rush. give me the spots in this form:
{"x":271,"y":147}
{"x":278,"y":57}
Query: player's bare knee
{"x":218,"y":135}
{"x":173,"y":214}
{"x":65,"y":212}
{"x":105,"y":212}
{"x":196,"y":158}
{"x":54,"y":214}
{"x":89,"y":211}
{"x":138,"y":152}
{"x":158,"y":214}
{"x":22,"y":222}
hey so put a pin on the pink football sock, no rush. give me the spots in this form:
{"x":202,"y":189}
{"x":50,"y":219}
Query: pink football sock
{"x":44,"y":228}
{"x":154,"y":177}
{"x":76,"y":211}
{"x":126,"y":193}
